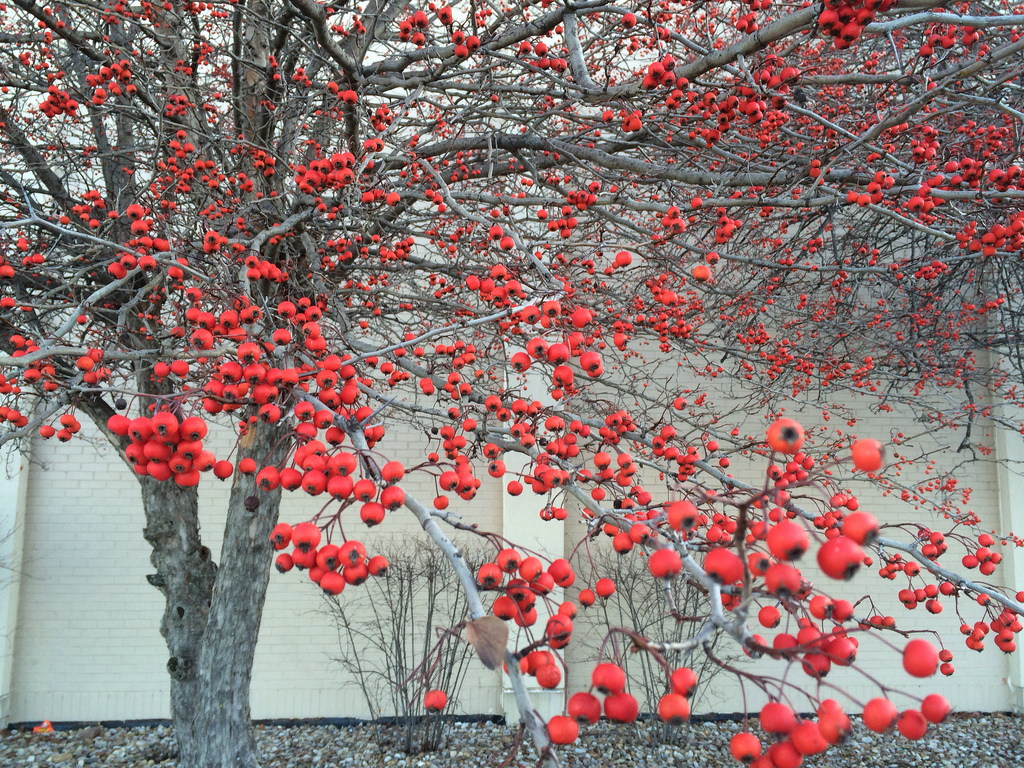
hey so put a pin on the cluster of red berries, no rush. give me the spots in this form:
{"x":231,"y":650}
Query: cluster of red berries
{"x":334,"y":172}
{"x":845,"y":21}
{"x":558,"y":354}
{"x":163,"y":448}
{"x":619,"y":706}
{"x":1005,"y":626}
{"x":542,"y":665}
{"x":983,"y":558}
{"x":58,"y":102}
{"x":518,"y":603}
{"x":797,"y":738}
{"x":330,"y":566}
{"x":545,"y":59}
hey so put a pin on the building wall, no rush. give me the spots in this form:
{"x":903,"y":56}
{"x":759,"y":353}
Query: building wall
{"x":877,"y":659}
{"x":86,"y":644}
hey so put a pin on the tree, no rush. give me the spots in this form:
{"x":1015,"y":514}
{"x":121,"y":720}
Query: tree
{"x":306,"y":219}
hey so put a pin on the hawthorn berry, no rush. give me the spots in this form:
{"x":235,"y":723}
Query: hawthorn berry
{"x":683,"y":681}
{"x":745,"y":747}
{"x":862,"y":527}
{"x":777,"y":718}
{"x":723,"y":565}
{"x":306,"y":537}
{"x":508,"y":560}
{"x":935,"y":707}
{"x":920,"y":658}
{"x":880,"y":714}
{"x":563,"y":730}
{"x":785,"y":436}
{"x":769,"y":617}
{"x":673,"y":709}
{"x":548,"y":676}
{"x":840,"y":558}
{"x":912,"y":724}
{"x":787,"y":540}
{"x":435,"y":700}
{"x":584,"y":708}
{"x":664,"y":563}
{"x":621,"y":707}
{"x":868,"y":455}
{"x":281,"y":536}
{"x":608,"y":678}
{"x":807,"y":738}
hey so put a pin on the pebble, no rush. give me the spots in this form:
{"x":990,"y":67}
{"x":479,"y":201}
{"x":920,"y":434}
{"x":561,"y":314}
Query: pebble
{"x":993,"y":741}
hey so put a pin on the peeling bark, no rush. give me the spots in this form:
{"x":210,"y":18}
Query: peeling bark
{"x":220,"y":733}
{"x":212,"y":613}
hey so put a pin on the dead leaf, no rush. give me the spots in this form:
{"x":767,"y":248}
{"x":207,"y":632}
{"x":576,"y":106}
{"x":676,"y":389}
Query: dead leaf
{"x":489,"y":636}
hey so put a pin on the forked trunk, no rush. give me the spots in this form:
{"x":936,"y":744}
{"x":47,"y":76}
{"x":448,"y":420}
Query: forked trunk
{"x":218,"y":733}
{"x":212,"y":613}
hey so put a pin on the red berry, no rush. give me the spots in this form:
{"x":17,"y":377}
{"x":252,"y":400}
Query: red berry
{"x":563,"y":730}
{"x":784,"y":755}
{"x":664,"y":563}
{"x":787,"y":540}
{"x":682,"y":515}
{"x":745,"y":747}
{"x":785,"y":436}
{"x":548,"y":676}
{"x":674,"y":709}
{"x":834,"y":725}
{"x":808,"y":739}
{"x":868,"y":455}
{"x":684,"y":681}
{"x":777,"y":718}
{"x":935,"y":707}
{"x":723,"y":565}
{"x":281,"y":536}
{"x":435,"y":700}
{"x":530,"y":568}
{"x":608,"y":678}
{"x":879,"y":714}
{"x":862,"y":527}
{"x":508,"y":560}
{"x":912,"y":724}
{"x":840,"y":558}
{"x":584,"y":707}
{"x":621,"y":708}
{"x":769,"y":617}
{"x":920,"y":658}
{"x":332,"y":582}
{"x":306,"y":537}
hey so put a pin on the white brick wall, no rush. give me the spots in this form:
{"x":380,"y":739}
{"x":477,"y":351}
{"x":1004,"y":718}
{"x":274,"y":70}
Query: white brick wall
{"x":88,"y":644}
{"x":982,"y":681}
{"x":88,"y":647}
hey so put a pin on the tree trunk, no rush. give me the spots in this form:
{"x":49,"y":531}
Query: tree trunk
{"x":185,"y":571}
{"x":219,"y":732}
{"x":185,"y":574}
{"x":212,"y":614}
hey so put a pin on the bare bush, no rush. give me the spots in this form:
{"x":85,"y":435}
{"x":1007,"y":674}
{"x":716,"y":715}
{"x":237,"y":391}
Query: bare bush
{"x":396,"y":639}
{"x":634,"y":605}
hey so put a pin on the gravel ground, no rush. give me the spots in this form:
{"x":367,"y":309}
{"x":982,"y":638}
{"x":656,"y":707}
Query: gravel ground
{"x":965,"y":741}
